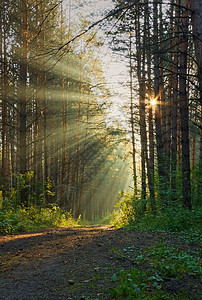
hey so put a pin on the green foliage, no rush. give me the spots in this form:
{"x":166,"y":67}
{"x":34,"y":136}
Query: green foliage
{"x":173,"y":218}
{"x":160,"y":263}
{"x":106,"y":219}
{"x":33,"y":217}
{"x":169,"y":261}
{"x":140,"y":284}
{"x":15,"y":217}
{"x":196,"y":176}
{"x":129,"y":209}
{"x":37,"y":192}
{"x":155,"y":266}
{"x":170,"y":220}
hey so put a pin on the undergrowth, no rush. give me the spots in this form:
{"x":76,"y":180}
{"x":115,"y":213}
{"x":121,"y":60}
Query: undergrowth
{"x":160,"y":264}
{"x":155,"y":266}
{"x":31,"y":218}
{"x":16,"y":216}
{"x":141,"y":284}
{"x":173,"y":218}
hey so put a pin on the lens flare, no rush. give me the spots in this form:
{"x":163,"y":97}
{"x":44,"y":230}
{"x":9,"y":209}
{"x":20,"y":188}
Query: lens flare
{"x":153,"y":102}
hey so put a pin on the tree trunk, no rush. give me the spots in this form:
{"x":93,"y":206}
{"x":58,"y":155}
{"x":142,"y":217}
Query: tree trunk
{"x":23,"y":95}
{"x":193,"y":147}
{"x":142,"y":92}
{"x":132,"y":119}
{"x":159,"y":141}
{"x":150,"y":157}
{"x":184,"y":109}
{"x":170,"y":87}
{"x":3,"y":90}
{"x":36,"y":108}
{"x":23,"y":77}
{"x":174,"y":108}
{"x":44,"y":75}
{"x":63,"y":175}
{"x":196,"y":8}
{"x":200,"y":156}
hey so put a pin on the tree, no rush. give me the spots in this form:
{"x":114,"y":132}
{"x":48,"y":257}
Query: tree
{"x":132,"y":116}
{"x":184,"y":108}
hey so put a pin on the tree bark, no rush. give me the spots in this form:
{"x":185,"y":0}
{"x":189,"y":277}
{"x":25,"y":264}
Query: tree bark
{"x":196,"y":8}
{"x":196,"y":16}
{"x":159,"y":141}
{"x":184,"y":109}
{"x":132,"y":119}
{"x":3,"y":89}
{"x":23,"y":95}
{"x":63,"y":175}
{"x":36,"y":108}
{"x":142,"y":92}
{"x":174,"y":107}
{"x":150,"y":156}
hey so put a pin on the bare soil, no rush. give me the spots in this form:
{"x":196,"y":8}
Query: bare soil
{"x":73,"y":262}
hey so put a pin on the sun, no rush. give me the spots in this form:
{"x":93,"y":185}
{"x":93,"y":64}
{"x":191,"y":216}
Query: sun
{"x":153,"y":101}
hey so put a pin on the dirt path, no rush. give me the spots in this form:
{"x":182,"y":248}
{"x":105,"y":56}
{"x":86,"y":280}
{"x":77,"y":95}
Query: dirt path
{"x":65,"y":263}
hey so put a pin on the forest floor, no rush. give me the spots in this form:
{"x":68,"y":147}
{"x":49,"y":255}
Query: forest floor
{"x":77,"y":262}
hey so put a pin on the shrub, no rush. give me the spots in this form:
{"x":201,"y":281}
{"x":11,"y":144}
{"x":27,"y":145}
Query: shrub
{"x":27,"y":219}
{"x":173,"y":218}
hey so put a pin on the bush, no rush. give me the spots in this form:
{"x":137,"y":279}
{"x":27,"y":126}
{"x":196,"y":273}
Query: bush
{"x":172,"y":218}
{"x":36,"y":193}
{"x":16,"y":216}
{"x":125,"y":211}
{"x":27,"y":219}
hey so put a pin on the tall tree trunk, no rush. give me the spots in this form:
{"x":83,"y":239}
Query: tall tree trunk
{"x":132,"y":119}
{"x":196,"y":8}
{"x":63,"y":124}
{"x":150,"y":117}
{"x":159,"y":141}
{"x":200,"y":155}
{"x":142,"y":92}
{"x":170,"y":86}
{"x":174,"y":106}
{"x":36,"y":108}
{"x":23,"y":87}
{"x":44,"y":93}
{"x":162,"y":101}
{"x":3,"y":89}
{"x":150,"y":155}
{"x":184,"y":109}
{"x":23,"y":95}
{"x":78,"y":148}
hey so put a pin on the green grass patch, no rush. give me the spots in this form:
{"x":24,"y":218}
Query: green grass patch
{"x":154,"y":266}
{"x":140,"y":284}
{"x":170,"y":220}
{"x":168,"y":260}
{"x":173,"y":218}
{"x":32,"y":218}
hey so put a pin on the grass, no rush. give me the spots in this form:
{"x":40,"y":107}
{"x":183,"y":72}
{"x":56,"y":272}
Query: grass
{"x":161,"y":264}
{"x":32,"y":218}
{"x":141,"y":284}
{"x":168,"y":260}
{"x":155,"y":266}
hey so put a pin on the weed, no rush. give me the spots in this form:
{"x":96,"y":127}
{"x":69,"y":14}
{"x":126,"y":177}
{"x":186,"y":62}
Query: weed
{"x":173,"y":218}
{"x":140,"y":284}
{"x":28,"y":219}
{"x":156,"y":264}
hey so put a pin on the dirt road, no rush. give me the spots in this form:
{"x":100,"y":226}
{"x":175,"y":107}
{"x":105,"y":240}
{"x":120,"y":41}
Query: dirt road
{"x":65,"y":263}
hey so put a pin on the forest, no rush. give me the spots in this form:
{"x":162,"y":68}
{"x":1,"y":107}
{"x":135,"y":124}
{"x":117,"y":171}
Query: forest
{"x":100,"y":149}
{"x":66,"y":140}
